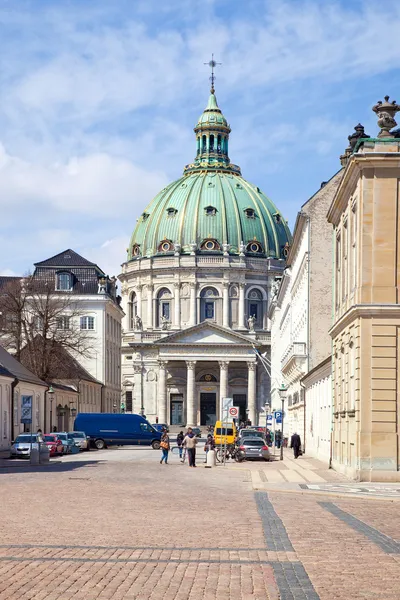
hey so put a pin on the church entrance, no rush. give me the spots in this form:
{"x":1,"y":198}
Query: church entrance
{"x":208,"y":408}
{"x":240,"y":400}
{"x":176,"y":409}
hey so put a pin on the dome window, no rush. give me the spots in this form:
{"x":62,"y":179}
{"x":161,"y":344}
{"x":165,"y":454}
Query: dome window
{"x":210,"y":245}
{"x":285,"y":250}
{"x":254,"y":247}
{"x":278,"y":218}
{"x":136,"y":250}
{"x":250,"y":213}
{"x":211,"y":184}
{"x":145,"y":216}
{"x":171,"y":212}
{"x":210,"y":211}
{"x":238,"y":186}
{"x":165,"y":246}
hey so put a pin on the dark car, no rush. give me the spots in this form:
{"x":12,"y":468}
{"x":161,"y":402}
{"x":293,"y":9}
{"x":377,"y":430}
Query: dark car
{"x":196,"y":431}
{"x":161,"y":427}
{"x":255,"y":448}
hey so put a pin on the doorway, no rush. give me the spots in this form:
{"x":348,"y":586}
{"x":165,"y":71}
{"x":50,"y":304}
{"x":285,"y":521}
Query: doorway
{"x":240,"y":400}
{"x":208,"y":408}
{"x":176,"y":409}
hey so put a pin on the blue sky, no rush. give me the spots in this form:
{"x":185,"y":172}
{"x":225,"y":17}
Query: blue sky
{"x":98,"y":100}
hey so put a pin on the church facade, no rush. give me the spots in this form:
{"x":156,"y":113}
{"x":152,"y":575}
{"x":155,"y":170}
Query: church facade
{"x":196,"y":289}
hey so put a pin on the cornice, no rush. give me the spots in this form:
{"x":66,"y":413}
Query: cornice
{"x":365,"y":311}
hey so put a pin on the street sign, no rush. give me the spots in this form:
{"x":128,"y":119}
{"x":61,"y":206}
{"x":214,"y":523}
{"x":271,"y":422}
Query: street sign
{"x":26,"y":410}
{"x":278,"y":417}
{"x":269,"y":419}
{"x":227,"y":403}
{"x":233,"y":412}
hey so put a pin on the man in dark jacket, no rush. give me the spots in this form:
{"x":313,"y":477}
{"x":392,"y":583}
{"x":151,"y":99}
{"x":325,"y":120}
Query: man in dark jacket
{"x":295,"y":443}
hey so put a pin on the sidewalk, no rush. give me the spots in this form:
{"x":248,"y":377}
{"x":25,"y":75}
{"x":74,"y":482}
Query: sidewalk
{"x":309,"y":475}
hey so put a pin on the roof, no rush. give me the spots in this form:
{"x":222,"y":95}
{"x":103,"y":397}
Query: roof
{"x":66,"y":259}
{"x":211,"y":202}
{"x":17,"y":369}
{"x":5,"y":279}
{"x":5,"y":373}
{"x":60,"y":386}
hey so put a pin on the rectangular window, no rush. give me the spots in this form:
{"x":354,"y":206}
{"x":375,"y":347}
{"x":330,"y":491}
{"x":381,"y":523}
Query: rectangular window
{"x":253,"y":310}
{"x":64,"y":282}
{"x":63,"y":322}
{"x":209,"y":310}
{"x":165,"y":312}
{"x":87,"y":323}
{"x":354,"y":248}
{"x":128,"y":401}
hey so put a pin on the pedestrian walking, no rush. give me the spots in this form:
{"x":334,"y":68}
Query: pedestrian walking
{"x":189,"y":443}
{"x":164,"y":448}
{"x":179,"y":440}
{"x":209,"y":445}
{"x":295,"y":443}
{"x":278,"y":439}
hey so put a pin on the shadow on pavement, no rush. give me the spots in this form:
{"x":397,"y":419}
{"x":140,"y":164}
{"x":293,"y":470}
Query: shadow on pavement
{"x":55,"y":467}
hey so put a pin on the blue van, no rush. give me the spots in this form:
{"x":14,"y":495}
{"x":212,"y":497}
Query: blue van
{"x":107,"y":429}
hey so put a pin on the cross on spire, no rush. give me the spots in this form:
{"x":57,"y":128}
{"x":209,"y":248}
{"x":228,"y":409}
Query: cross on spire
{"x":212,"y":64}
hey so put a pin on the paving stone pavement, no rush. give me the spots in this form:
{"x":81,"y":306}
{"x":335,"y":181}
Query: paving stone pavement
{"x":116,"y":524}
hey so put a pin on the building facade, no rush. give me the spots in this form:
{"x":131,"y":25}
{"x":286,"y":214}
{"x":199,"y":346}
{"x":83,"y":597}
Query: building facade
{"x":365,"y":333}
{"x":95,"y":310}
{"x":301,"y":316}
{"x":196,"y":288}
{"x":6,"y":390}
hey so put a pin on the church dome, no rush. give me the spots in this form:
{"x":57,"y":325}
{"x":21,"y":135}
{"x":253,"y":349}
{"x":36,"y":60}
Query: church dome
{"x":211,"y":209}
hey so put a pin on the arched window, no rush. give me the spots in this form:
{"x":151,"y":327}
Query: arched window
{"x":219,"y":144}
{"x":165,"y":246}
{"x":164,"y":301}
{"x":136,"y":250}
{"x":64,"y":281}
{"x":211,"y":143}
{"x":204,"y":144}
{"x":255,"y":306}
{"x":208,"y":297}
{"x":254,"y":247}
{"x":132,"y":310}
{"x":211,"y":245}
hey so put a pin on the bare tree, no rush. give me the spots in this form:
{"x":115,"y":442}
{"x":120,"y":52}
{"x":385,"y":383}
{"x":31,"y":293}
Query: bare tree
{"x":38,"y":323}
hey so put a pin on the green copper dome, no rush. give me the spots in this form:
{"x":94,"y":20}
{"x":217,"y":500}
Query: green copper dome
{"x":211,"y":209}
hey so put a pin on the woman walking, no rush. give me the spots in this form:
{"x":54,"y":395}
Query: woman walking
{"x":164,"y":448}
{"x":190,"y":442}
{"x":210,"y":445}
{"x":179,"y":440}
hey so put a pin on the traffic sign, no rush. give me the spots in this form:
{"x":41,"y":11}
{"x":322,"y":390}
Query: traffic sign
{"x":278,"y":416}
{"x":270,"y":419}
{"x":26,"y":410}
{"x":233,"y":412}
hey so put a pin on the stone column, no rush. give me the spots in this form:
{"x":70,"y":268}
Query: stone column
{"x":192,"y":304}
{"x":177,"y":297}
{"x":150,"y":306}
{"x":191,"y":412}
{"x":225,"y":304}
{"x":139,"y":300}
{"x":251,"y":392}
{"x":223,"y":383}
{"x":137,"y":400}
{"x":162,"y":392}
{"x":241,"y":315}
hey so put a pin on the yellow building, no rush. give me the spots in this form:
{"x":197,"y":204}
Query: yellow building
{"x":365,"y":214}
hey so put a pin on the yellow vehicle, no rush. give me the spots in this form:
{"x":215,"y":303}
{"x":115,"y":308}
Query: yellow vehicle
{"x":224,"y":434}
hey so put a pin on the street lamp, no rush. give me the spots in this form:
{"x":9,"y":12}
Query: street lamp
{"x":282,"y":393}
{"x":50,"y":395}
{"x":114,"y":408}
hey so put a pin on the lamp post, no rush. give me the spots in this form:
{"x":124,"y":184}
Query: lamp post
{"x":282,"y":393}
{"x":50,"y":395}
{"x":114,"y":408}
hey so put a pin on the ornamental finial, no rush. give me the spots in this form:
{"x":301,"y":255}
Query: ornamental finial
{"x":212,"y":64}
{"x":386,"y":112}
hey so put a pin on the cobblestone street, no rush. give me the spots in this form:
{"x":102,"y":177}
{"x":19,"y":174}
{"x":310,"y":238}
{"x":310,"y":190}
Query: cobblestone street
{"x":117,"y":524}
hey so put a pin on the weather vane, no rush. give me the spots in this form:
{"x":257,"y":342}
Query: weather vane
{"x":212,"y":63}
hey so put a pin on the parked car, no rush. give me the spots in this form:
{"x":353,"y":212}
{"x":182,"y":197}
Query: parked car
{"x":160,"y":427}
{"x":250,"y":433}
{"x":255,"y":448}
{"x":53,"y":443}
{"x":196,"y":431}
{"x":22,"y":444}
{"x":68,"y":443}
{"x":80,"y":439}
{"x":107,"y":429}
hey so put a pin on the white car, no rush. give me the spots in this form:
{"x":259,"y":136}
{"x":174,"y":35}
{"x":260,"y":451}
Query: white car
{"x":23,"y":444}
{"x":80,"y":439}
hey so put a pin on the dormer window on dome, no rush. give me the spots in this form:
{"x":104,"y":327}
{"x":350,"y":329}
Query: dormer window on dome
{"x":136,"y":250}
{"x":145,"y":216}
{"x":210,"y":245}
{"x":250,"y":213}
{"x":171,"y":212}
{"x":165,"y":246}
{"x":210,"y":211}
{"x":277,"y":217}
{"x":254,"y":247}
{"x":285,"y":250}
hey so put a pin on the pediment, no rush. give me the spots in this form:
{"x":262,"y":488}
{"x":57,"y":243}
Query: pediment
{"x":206,"y":333}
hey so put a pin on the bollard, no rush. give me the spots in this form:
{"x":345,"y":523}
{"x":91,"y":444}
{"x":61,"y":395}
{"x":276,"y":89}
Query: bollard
{"x":44,"y":454}
{"x":34,"y":456}
{"x":211,"y":460}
